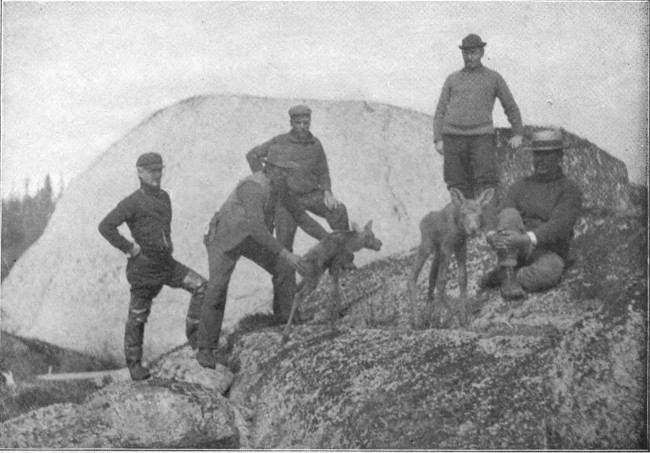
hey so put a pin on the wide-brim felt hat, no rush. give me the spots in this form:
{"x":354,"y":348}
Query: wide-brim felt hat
{"x":547,"y":140}
{"x":151,"y":161}
{"x":472,"y":41}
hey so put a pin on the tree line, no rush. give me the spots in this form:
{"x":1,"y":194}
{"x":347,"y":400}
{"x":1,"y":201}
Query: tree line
{"x":24,"y":219}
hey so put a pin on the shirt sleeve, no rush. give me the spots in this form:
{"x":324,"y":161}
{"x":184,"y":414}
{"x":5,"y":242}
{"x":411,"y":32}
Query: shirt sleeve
{"x":562,"y":219}
{"x":255,"y":155}
{"x":304,"y":220}
{"x":108,"y":226}
{"x":441,"y":109}
{"x":510,"y":107}
{"x":322,"y":169}
{"x":253,"y":200}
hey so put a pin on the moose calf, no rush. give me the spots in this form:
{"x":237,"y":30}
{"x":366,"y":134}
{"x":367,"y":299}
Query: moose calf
{"x":445,"y":232}
{"x":331,"y":253}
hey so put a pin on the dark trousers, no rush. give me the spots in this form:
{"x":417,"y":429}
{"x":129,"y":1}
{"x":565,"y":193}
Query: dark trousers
{"x":222,"y":264}
{"x":147,"y":277}
{"x":286,"y":227}
{"x":538,"y":269}
{"x":470,"y":166}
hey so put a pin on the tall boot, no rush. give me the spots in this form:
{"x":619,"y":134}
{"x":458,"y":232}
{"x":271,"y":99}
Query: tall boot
{"x":193,"y":316}
{"x":133,"y":339}
{"x":510,"y":287}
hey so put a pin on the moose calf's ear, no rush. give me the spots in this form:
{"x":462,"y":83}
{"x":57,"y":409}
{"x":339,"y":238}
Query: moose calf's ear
{"x":368,"y":226}
{"x":486,"y":196}
{"x":456,"y":196}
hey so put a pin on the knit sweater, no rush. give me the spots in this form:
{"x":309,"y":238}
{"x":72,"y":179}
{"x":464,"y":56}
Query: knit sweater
{"x":467,"y":101}
{"x":307,"y":152}
{"x":549,"y":209}
{"x":148,"y":214}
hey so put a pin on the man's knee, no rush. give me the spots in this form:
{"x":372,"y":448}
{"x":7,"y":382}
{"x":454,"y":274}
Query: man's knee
{"x":509,"y":219}
{"x":139,"y":310}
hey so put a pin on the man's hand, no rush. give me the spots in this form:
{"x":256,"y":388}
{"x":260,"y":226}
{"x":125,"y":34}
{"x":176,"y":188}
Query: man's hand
{"x":135,"y":251}
{"x":514,"y":239}
{"x":297,"y":263}
{"x":440,"y":147}
{"x":515,"y":142}
{"x":330,"y":200}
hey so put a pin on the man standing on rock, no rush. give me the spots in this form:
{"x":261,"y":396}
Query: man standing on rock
{"x":535,"y":223}
{"x":150,"y":265}
{"x":243,"y":227}
{"x":463,"y":131}
{"x":309,"y":179}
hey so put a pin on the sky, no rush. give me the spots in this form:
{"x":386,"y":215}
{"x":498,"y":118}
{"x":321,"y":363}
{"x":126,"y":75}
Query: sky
{"x":76,"y":77}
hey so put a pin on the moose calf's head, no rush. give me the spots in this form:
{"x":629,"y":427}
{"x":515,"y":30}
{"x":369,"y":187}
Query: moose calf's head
{"x":469,"y":211}
{"x":367,"y":239}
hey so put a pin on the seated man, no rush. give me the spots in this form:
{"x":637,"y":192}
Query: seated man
{"x":535,"y":223}
{"x":309,"y":178}
{"x":242,"y":227}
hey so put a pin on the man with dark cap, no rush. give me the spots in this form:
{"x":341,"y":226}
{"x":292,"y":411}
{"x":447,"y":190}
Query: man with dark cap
{"x":535,"y":223}
{"x":150,"y":265}
{"x":463,"y":131}
{"x":309,"y":179}
{"x":243,"y":227}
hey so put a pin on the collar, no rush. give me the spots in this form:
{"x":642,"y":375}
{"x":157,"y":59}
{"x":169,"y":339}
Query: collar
{"x":476,"y":69}
{"x":294,"y":138}
{"x":150,"y":190}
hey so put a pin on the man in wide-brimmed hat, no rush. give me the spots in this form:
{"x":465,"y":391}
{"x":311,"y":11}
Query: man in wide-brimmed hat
{"x":243,"y":227}
{"x":535,"y":223}
{"x":150,"y":266}
{"x":463,"y":130}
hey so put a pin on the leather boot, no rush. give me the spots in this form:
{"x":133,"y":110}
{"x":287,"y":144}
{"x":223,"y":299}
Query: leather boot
{"x":191,"y":331}
{"x":206,"y":358}
{"x":492,"y":279}
{"x":138,"y":372}
{"x":510,"y":287}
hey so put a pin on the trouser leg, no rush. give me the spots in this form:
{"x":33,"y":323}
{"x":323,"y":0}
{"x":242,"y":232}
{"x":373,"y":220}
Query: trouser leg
{"x":486,"y":175}
{"x":336,"y":218}
{"x":284,"y":283}
{"x":139,"y":309}
{"x":283,"y":275}
{"x":457,"y":170}
{"x":196,"y":285}
{"x":213,"y":307}
{"x":543,"y":271}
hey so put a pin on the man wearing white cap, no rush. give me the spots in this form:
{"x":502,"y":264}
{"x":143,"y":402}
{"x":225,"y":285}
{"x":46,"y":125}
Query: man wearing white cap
{"x":535,"y":223}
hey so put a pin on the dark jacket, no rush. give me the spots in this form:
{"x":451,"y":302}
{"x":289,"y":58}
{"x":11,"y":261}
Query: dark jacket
{"x":250,"y":210}
{"x":306,"y":152}
{"x":148,"y":214}
{"x":549,"y":209}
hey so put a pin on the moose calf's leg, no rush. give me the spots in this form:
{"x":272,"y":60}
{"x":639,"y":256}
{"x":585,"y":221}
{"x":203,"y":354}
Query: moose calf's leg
{"x":420,"y":257}
{"x":461,"y":258}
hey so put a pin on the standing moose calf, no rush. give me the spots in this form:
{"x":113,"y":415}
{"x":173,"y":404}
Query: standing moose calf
{"x":445,"y":232}
{"x":331,"y":253}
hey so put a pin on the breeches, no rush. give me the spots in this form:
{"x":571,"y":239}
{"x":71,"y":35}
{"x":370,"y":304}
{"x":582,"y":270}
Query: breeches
{"x":222,"y":264}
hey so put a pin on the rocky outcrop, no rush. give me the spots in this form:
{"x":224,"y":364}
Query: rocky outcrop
{"x":158,"y":413}
{"x":69,"y":288}
{"x":562,"y":369}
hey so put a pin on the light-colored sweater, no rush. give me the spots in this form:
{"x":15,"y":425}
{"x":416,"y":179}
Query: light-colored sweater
{"x":467,"y":101}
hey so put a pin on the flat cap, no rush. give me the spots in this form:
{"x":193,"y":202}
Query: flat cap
{"x":150,"y":160}
{"x":299,"y":110}
{"x":547,"y":140}
{"x":472,"y":41}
